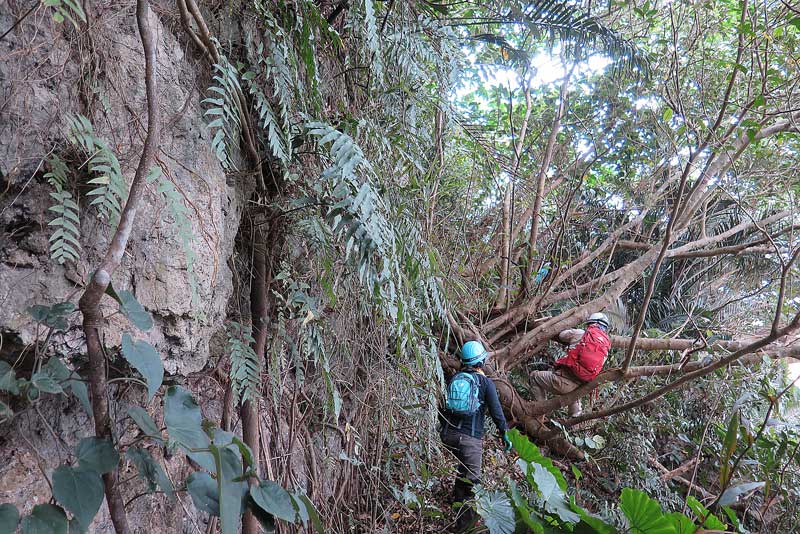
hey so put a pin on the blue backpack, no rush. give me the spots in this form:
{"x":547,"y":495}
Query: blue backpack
{"x":462,"y":394}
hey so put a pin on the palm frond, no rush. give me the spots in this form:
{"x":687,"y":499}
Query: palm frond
{"x":558,"y":21}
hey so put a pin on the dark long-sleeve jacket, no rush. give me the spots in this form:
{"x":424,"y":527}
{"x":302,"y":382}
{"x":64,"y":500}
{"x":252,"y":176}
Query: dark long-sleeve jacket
{"x":473,"y":425}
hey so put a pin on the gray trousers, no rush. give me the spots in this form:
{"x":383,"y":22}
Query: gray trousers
{"x":556,"y":382}
{"x":469,"y":452}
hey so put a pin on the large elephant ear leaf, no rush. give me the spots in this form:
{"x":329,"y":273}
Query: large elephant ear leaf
{"x":531,"y":453}
{"x":495,"y":509}
{"x":644,"y":514}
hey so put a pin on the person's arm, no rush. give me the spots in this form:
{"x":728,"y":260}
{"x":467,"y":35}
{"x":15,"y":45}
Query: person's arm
{"x":495,"y":410}
{"x":571,"y":336}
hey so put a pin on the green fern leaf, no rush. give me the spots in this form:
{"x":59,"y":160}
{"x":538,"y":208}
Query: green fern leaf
{"x":65,"y":239}
{"x":225,"y":111}
{"x":245,"y":364}
{"x":113,"y":190}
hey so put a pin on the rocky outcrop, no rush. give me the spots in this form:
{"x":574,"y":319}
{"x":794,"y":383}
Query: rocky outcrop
{"x":44,"y":66}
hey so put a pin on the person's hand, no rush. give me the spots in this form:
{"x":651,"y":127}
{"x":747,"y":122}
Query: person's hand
{"x":507,"y":445}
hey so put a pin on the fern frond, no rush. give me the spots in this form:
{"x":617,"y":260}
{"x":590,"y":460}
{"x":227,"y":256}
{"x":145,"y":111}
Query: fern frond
{"x":112,"y":191}
{"x":65,"y":240}
{"x":347,"y":156}
{"x":225,"y":111}
{"x":245,"y":366}
{"x":314,"y":348}
{"x":373,"y":44}
{"x":279,"y":145}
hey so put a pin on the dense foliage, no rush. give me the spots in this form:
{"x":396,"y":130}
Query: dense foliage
{"x":419,"y":174}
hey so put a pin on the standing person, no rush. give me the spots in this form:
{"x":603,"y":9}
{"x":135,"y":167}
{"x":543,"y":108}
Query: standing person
{"x":583,"y":362}
{"x":469,"y":393}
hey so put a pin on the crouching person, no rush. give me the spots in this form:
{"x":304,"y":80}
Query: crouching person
{"x":583,"y":362}
{"x":469,"y":393}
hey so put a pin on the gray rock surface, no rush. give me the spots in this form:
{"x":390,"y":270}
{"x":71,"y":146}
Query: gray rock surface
{"x":44,"y":66}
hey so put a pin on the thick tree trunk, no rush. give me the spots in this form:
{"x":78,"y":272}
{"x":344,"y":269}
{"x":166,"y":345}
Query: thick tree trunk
{"x":259,"y":311}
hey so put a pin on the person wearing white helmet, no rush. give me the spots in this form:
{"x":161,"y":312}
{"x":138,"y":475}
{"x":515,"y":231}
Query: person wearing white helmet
{"x":583,"y":362}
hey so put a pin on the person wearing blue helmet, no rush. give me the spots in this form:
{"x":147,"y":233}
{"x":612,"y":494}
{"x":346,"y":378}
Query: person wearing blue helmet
{"x":469,"y":394}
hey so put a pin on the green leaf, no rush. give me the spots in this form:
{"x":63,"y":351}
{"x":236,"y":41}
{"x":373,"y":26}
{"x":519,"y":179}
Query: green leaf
{"x":522,"y":506}
{"x":244,"y":450}
{"x":111,"y":292}
{"x":682,"y":524}
{"x":183,"y":419}
{"x":79,"y":389}
{"x":530,"y":453}
{"x":69,"y":379}
{"x":576,"y":472}
{"x":230,"y":489}
{"x":274,"y":500}
{"x":495,"y":509}
{"x":543,"y":480}
{"x":9,"y":517}
{"x":134,"y":311}
{"x":97,"y":454}
{"x":8,"y":379}
{"x":80,"y":490}
{"x":52,"y":316}
{"x":39,"y":312}
{"x":299,"y":505}
{"x":667,"y":115}
{"x":795,"y":22}
{"x":313,"y":514}
{"x":45,"y":519}
{"x":732,"y":494}
{"x":221,"y":438}
{"x":151,"y":471}
{"x":144,"y":357}
{"x":75,"y":527}
{"x":728,"y":448}
{"x":644,"y":514}
{"x":145,"y":422}
{"x":703,"y":514}
{"x":44,"y":382}
{"x":734,"y":521}
{"x":204,"y":492}
{"x":593,"y":525}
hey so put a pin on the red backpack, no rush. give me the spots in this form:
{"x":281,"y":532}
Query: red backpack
{"x":585,"y":360}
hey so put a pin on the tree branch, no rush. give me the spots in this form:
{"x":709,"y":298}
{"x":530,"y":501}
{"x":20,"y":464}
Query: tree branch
{"x":89,"y":303}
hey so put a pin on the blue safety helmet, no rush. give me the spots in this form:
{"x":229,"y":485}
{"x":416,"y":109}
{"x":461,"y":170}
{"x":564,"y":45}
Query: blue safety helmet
{"x":473,"y":353}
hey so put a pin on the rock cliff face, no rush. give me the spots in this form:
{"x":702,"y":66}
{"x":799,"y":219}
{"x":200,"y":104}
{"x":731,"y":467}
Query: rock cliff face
{"x":44,"y":66}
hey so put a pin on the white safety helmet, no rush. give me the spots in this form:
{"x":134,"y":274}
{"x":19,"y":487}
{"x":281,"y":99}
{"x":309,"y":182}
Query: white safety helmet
{"x":599,"y":318}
